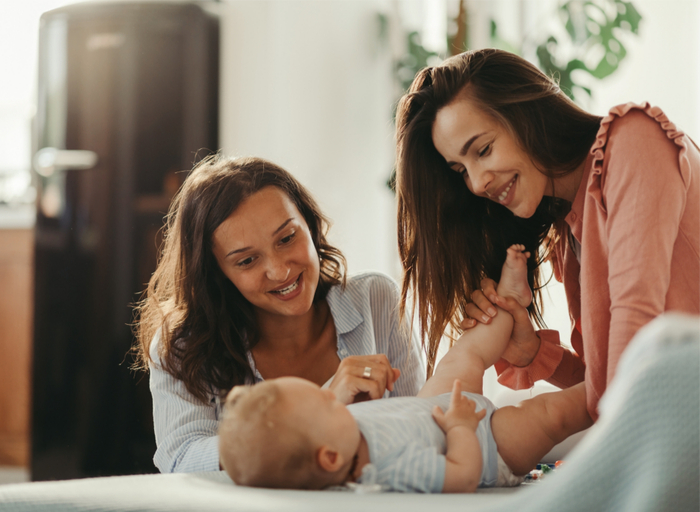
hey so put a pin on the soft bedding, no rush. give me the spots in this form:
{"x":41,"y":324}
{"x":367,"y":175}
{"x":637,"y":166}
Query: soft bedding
{"x":642,"y":455}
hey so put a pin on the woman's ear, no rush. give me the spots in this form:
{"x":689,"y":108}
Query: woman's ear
{"x":329,"y":460}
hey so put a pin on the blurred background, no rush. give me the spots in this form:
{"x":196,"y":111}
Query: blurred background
{"x":103,"y":105}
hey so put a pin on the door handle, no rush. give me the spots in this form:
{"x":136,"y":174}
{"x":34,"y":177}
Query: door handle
{"x":49,"y":160}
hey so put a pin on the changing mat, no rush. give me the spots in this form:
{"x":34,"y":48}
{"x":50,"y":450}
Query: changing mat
{"x":642,"y":455}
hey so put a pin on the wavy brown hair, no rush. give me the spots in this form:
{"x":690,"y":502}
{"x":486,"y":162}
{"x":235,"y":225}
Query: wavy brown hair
{"x":449,"y":239}
{"x":206,"y":326}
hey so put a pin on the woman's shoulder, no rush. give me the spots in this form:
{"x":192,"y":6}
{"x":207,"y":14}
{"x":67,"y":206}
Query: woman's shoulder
{"x":630,"y":127}
{"x":372,"y":280}
{"x":365,"y":290}
{"x":634,"y":136}
{"x":154,"y":349}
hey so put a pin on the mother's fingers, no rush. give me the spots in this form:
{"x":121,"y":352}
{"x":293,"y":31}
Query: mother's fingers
{"x":375,"y":367}
{"x":512,"y":306}
{"x":488,"y":287}
{"x":480,"y":309}
{"x":348,"y":388}
{"x":364,"y":376}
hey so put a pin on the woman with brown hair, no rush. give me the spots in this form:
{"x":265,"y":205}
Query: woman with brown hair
{"x":491,"y":153}
{"x":247,"y":288}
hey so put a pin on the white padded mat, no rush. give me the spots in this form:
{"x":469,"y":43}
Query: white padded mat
{"x":642,"y":455}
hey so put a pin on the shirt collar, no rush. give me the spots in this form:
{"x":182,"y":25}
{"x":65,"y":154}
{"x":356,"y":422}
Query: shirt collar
{"x":345,"y":314}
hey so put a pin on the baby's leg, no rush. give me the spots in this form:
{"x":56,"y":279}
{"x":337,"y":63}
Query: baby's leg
{"x":481,"y":346}
{"x":525,"y":433}
{"x":467,"y":358}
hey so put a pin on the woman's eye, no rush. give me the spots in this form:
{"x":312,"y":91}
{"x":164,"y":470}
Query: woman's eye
{"x":287,"y":239}
{"x":245,"y":262}
{"x":485,"y":150}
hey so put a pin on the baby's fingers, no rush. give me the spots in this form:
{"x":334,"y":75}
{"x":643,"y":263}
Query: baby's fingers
{"x":470,"y":408}
{"x":456,"y":393}
{"x":439,"y":417}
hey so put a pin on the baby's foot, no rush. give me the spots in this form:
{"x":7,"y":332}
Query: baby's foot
{"x":514,"y":276}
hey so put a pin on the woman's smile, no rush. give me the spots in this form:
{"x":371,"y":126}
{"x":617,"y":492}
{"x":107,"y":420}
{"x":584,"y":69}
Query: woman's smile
{"x":503,"y":195}
{"x":290,"y":291}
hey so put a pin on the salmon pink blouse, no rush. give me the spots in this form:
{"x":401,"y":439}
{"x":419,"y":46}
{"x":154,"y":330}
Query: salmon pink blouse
{"x":636,"y":217}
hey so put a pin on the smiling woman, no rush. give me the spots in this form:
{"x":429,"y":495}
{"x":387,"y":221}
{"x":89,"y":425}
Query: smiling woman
{"x":491,"y":152}
{"x":247,"y":289}
{"x":266,"y":251}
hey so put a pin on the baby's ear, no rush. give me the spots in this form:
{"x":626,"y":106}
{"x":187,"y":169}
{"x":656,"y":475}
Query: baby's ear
{"x":329,"y":460}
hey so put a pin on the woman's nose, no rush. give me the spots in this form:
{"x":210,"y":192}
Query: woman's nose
{"x":478,"y":182}
{"x":277,"y":269}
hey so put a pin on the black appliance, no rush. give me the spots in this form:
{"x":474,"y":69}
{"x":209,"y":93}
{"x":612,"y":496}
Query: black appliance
{"x":127,"y":101}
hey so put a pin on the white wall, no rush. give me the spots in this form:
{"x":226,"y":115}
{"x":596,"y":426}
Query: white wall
{"x":662,"y":65}
{"x":307,"y":84}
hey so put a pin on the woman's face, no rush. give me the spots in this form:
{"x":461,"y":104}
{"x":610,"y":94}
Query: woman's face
{"x":490,"y":160}
{"x":265,"y":249}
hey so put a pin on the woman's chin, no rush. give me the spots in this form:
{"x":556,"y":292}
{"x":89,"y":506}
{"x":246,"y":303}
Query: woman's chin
{"x":523,"y":211}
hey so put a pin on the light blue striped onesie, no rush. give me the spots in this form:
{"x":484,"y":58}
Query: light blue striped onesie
{"x":407,"y":448}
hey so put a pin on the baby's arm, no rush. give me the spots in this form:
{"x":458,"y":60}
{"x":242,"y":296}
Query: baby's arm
{"x":463,"y":458}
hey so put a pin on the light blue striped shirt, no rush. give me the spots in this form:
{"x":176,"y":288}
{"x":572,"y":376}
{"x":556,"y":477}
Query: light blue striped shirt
{"x":366,"y":321}
{"x":407,"y":448}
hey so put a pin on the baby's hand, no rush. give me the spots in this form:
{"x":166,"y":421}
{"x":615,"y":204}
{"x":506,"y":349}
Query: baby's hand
{"x":461,"y":412}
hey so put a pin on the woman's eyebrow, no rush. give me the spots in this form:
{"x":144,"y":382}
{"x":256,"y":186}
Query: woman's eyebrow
{"x":290,"y":219}
{"x":242,"y":249}
{"x":469,"y":143}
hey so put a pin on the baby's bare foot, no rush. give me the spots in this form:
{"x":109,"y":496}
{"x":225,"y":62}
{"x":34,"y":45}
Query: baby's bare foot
{"x":514,"y":276}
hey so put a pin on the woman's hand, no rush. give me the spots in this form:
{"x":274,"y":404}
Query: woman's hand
{"x":524,"y":342}
{"x":351,"y":383}
{"x":481,"y":308}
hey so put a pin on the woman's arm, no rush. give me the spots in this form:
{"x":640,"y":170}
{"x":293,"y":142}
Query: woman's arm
{"x":185,"y":428}
{"x":366,"y":314}
{"x":644,"y":195}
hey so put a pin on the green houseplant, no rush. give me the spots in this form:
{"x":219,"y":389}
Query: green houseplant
{"x":588,"y":43}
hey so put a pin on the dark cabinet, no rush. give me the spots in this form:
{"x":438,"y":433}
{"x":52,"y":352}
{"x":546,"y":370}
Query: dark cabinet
{"x":127,"y":102}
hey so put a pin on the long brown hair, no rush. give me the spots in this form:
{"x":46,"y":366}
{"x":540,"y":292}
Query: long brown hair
{"x":449,"y":239}
{"x":206,"y":326}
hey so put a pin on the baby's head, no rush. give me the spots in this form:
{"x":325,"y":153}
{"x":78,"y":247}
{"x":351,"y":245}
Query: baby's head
{"x":287,"y":433}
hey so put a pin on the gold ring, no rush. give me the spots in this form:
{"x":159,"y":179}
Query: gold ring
{"x":367,"y":372}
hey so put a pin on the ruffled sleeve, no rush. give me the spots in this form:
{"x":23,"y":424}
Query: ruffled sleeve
{"x":595,"y":188}
{"x":542,"y":367}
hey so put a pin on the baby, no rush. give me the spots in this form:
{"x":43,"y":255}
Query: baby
{"x":289,"y":433}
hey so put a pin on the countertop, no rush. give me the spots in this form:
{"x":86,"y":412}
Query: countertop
{"x":17,"y":217}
